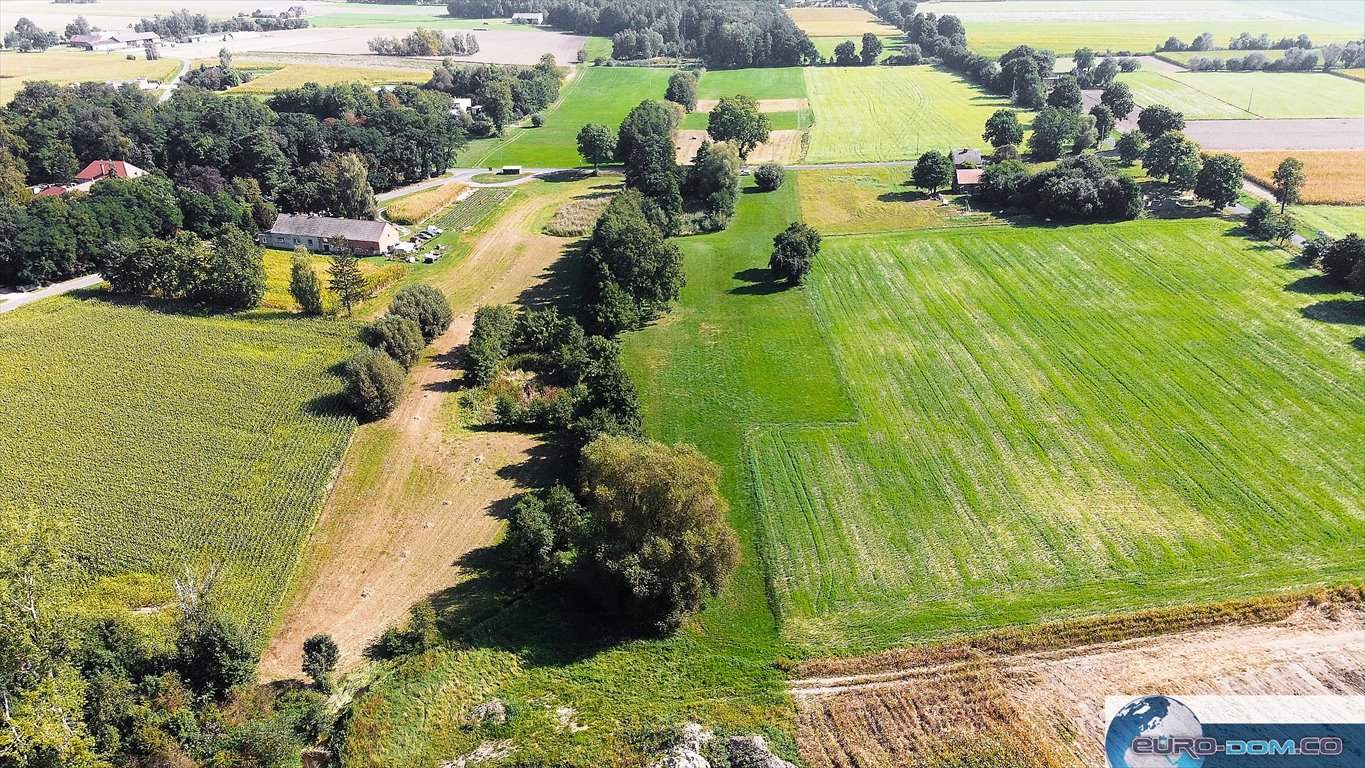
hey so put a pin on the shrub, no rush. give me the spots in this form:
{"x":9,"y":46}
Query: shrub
{"x":304,"y":284}
{"x":320,"y":659}
{"x":374,"y":383}
{"x":537,"y":120}
{"x":214,"y":653}
{"x":769,"y":176}
{"x":1339,"y":261}
{"x":400,"y":337}
{"x":489,"y":342}
{"x":1131,"y":147}
{"x":426,"y":306}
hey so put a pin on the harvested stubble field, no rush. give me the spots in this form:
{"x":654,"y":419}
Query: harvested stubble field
{"x":216,"y":447}
{"x":1000,"y":700}
{"x":869,"y":114}
{"x":596,"y":95}
{"x":1334,"y":178}
{"x":414,"y":208}
{"x":839,"y":22}
{"x":59,"y":66}
{"x":1055,"y":420}
{"x":288,"y":75}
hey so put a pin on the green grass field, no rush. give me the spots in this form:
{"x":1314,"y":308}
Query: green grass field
{"x":891,"y":45}
{"x":199,"y":439}
{"x":1216,"y":95}
{"x":893,"y":113}
{"x":993,"y":38}
{"x":597,"y":95}
{"x":775,"y":83}
{"x":1062,"y":420}
{"x":1335,"y":220}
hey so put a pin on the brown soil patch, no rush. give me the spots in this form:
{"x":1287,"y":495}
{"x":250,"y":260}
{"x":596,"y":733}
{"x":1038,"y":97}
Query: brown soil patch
{"x":782,"y":147}
{"x":967,"y":702}
{"x":764,"y":105}
{"x":1292,"y":133}
{"x":418,"y":493}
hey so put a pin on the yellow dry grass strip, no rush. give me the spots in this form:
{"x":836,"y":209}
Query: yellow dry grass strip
{"x":838,"y":22}
{"x":416,"y":207}
{"x":1335,"y":177}
{"x":705,"y":106}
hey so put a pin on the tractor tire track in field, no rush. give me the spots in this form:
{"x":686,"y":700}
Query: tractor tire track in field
{"x":417,"y":493}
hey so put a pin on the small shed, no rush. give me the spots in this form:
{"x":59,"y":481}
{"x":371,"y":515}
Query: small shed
{"x":535,"y":19}
{"x":510,"y":170}
{"x":967,"y":179}
{"x":963,"y":157}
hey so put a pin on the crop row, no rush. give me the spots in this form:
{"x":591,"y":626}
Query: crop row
{"x":471,"y":210}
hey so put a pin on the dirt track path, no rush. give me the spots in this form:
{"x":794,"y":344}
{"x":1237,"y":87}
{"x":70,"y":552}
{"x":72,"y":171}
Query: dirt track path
{"x":417,"y":493}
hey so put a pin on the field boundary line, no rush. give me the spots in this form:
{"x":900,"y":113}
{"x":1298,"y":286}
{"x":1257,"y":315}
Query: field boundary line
{"x":573,"y":81}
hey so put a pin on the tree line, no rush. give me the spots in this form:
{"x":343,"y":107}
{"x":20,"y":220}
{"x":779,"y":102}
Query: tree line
{"x":724,"y":34}
{"x":183,"y":24}
{"x":505,"y":93}
{"x":426,"y":42}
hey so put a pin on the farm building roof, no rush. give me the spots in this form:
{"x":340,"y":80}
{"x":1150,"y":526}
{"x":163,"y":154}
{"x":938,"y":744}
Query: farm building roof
{"x":325,"y":226}
{"x":961,"y":156}
{"x":108,"y":169}
{"x":134,"y":37}
{"x":968,"y":176}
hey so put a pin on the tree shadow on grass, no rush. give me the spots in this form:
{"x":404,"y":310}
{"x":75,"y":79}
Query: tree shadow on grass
{"x":1336,"y":311}
{"x":907,"y":194}
{"x":1359,"y":343}
{"x":1313,"y":284}
{"x":761,"y":282}
{"x":561,"y":284}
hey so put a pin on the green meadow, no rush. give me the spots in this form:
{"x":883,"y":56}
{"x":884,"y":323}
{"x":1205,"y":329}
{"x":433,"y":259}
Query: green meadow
{"x":867,"y":114}
{"x":1244,"y":95}
{"x":993,"y":38}
{"x":214,"y":448}
{"x":597,"y":95}
{"x":775,"y":83}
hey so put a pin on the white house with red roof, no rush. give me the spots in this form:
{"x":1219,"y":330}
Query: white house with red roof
{"x":96,"y":171}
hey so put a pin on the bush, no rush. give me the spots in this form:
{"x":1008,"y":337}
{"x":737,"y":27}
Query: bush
{"x":374,"y":383}
{"x":320,"y":655}
{"x":398,"y":336}
{"x":214,"y":653}
{"x":489,"y":342}
{"x":794,"y":250}
{"x":426,"y":306}
{"x":1339,"y":261}
{"x":304,"y":284}
{"x":769,"y":176}
{"x":537,"y":120}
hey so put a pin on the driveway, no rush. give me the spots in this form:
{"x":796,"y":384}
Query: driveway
{"x":16,"y":300}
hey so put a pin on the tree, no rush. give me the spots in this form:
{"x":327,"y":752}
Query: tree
{"x":400,"y":337}
{"x":1356,"y":280}
{"x":736,"y":119}
{"x":374,"y":383}
{"x":232,"y":273}
{"x":682,"y":89}
{"x":1003,"y":128}
{"x":497,"y":102}
{"x":320,"y":656}
{"x":1289,"y":179}
{"x":1104,"y":120}
{"x":661,"y":540}
{"x":1342,"y":257}
{"x":932,"y":171}
{"x":543,"y":528}
{"x":344,"y":276}
{"x":645,"y":146}
{"x":81,"y":26}
{"x":596,"y":144}
{"x":794,"y":252}
{"x":1053,"y":130}
{"x":1029,"y":90}
{"x":1001,"y":181}
{"x":1175,"y":157}
{"x":27,"y":36}
{"x":214,"y":653}
{"x":304,"y":285}
{"x":1158,"y":119}
{"x":1220,"y":180}
{"x":769,"y":176}
{"x":1131,"y":146}
{"x":635,"y":271}
{"x":714,"y":180}
{"x":872,"y":48}
{"x":846,"y":53}
{"x":354,"y":195}
{"x":1119,"y":98}
{"x":425,"y":305}
{"x":1066,"y":94}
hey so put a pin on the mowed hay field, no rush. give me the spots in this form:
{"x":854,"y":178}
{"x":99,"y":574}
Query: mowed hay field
{"x":1335,"y":220}
{"x":762,"y":84}
{"x":1241,"y":95}
{"x":69,"y":67}
{"x":869,"y":114}
{"x":597,"y":95}
{"x":214,"y":448}
{"x":874,"y":200}
{"x":1058,"y":421}
{"x":296,"y":75}
{"x":1334,"y":177}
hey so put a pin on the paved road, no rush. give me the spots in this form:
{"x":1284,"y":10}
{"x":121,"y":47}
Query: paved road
{"x":16,"y":300}
{"x":175,"y":81}
{"x":465,"y":176}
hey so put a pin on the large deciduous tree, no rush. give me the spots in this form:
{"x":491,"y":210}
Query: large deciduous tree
{"x":1175,"y":157}
{"x":1054,"y":129}
{"x":1003,"y":128}
{"x":1220,"y":180}
{"x":933,"y":171}
{"x":1158,"y":119}
{"x":596,"y":143}
{"x":354,"y":195}
{"x":661,"y":540}
{"x":1289,"y":179}
{"x":794,"y":252}
{"x":872,"y":48}
{"x":736,"y":119}
{"x":682,"y":89}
